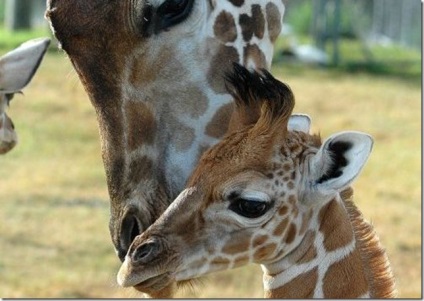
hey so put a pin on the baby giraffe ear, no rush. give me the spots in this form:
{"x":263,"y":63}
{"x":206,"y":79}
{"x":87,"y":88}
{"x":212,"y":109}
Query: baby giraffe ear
{"x":300,"y":123}
{"x":339,"y":161}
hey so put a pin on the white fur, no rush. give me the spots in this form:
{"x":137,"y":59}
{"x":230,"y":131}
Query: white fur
{"x":356,"y":157}
{"x":19,"y":65}
{"x":300,"y":123}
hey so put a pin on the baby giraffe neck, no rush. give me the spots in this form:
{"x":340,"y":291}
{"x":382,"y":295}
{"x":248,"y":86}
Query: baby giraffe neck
{"x":338,"y":257}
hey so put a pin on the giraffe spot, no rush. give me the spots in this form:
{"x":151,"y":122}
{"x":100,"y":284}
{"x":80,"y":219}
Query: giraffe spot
{"x":241,"y":260}
{"x":237,"y":3}
{"x":220,"y":64}
{"x":273,"y":17}
{"x":195,"y":102}
{"x":140,"y":169}
{"x":217,"y":127}
{"x":225,"y":27}
{"x":339,"y":277}
{"x":253,"y":25}
{"x":303,"y":286}
{"x":335,"y":226}
{"x":305,"y":252}
{"x":287,"y":167}
{"x":141,"y":125}
{"x":281,"y":227}
{"x":220,"y":261}
{"x":183,"y":136}
{"x":291,"y":234}
{"x":292,"y":199}
{"x":290,"y":185}
{"x":264,"y":252}
{"x":283,"y":210}
{"x":236,"y":247}
{"x":252,"y":53}
{"x":259,"y":240}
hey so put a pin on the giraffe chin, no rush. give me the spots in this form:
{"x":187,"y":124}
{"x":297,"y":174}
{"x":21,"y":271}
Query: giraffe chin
{"x":155,"y":284}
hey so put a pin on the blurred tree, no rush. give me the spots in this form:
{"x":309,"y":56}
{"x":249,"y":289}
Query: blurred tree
{"x":326,"y":23}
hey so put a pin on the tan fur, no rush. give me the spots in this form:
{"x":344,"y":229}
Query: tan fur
{"x":374,"y":257}
{"x":302,"y":286}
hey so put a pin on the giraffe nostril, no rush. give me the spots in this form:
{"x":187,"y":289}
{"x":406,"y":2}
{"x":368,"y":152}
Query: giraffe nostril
{"x":145,"y":252}
{"x":130,"y":229}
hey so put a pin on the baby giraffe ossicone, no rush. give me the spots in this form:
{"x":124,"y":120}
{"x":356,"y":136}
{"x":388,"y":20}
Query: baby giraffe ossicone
{"x":272,"y":194}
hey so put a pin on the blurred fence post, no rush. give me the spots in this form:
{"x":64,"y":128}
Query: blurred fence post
{"x":18,"y":14}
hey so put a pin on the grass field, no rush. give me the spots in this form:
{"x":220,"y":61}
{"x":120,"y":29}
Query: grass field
{"x":54,"y":209}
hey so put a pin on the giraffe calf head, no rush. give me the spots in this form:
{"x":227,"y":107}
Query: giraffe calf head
{"x":252,"y":196}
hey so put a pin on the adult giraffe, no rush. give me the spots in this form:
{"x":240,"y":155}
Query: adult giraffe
{"x":154,"y":73}
{"x":269,"y":193}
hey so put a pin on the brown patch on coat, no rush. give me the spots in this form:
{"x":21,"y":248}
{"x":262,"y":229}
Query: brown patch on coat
{"x":260,"y":240}
{"x":335,"y":226}
{"x":291,"y":234}
{"x":141,"y":125}
{"x":264,"y":252}
{"x":281,"y":227}
{"x":140,"y":169}
{"x":340,"y":276}
{"x":254,"y":53}
{"x":273,"y":17}
{"x":225,"y":27}
{"x":220,"y":261}
{"x":183,"y":137}
{"x":237,"y":3}
{"x":306,"y":251}
{"x":219,"y":65}
{"x":253,"y":25}
{"x":217,"y":127}
{"x":283,"y":210}
{"x":303,"y":286}
{"x":236,"y":247}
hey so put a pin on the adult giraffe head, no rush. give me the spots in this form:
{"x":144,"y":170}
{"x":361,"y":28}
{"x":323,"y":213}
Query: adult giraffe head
{"x":154,"y":73}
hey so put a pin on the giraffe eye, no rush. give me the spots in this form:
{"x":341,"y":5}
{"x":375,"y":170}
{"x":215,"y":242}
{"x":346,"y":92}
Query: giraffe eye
{"x":173,"y":12}
{"x":249,"y":204}
{"x":249,"y":208}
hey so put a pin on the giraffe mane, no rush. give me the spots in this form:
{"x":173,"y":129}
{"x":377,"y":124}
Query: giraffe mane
{"x":374,"y":257}
{"x":260,"y":92}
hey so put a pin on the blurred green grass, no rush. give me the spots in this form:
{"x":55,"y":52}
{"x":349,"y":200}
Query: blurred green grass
{"x":54,"y":208}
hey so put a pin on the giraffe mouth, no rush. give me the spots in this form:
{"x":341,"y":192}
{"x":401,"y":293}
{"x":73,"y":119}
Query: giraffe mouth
{"x":155,"y":283}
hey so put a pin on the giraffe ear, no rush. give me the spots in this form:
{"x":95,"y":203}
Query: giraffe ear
{"x":18,"y":66}
{"x":300,"y":123}
{"x":339,"y":161}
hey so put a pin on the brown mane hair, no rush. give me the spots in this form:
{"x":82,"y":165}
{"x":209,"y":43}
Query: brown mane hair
{"x":374,"y":257}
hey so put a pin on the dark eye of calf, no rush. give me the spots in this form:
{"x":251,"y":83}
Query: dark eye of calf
{"x":249,"y":208}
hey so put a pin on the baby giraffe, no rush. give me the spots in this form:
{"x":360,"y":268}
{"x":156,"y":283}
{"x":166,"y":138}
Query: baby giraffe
{"x":272,"y":194}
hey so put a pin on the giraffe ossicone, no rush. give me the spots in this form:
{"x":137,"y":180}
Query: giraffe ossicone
{"x":269,"y":193}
